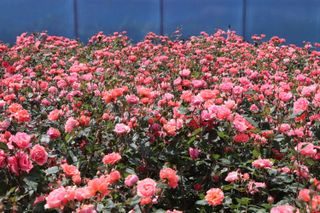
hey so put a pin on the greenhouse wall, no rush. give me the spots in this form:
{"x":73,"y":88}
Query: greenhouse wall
{"x":295,"y":20}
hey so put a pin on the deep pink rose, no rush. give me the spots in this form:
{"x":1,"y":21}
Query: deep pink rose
{"x":39,"y":154}
{"x":13,"y":165}
{"x":3,"y":158}
{"x":53,"y":133}
{"x":25,"y":163}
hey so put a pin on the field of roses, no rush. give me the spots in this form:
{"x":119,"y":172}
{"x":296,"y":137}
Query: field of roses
{"x":208,"y":124}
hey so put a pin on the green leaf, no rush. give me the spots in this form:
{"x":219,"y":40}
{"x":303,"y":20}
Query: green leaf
{"x":202,"y":202}
{"x":183,"y":110}
{"x":196,"y":131}
{"x":3,"y":146}
{"x":52,"y":170}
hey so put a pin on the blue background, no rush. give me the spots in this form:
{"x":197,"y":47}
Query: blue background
{"x":294,"y":20}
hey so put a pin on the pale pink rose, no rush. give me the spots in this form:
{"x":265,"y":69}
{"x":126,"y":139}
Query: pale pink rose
{"x":300,"y":105}
{"x":111,"y":158}
{"x":232,"y":176}
{"x":285,"y":96}
{"x":131,"y":180}
{"x":146,"y":187}
{"x":185,"y":72}
{"x":306,"y":149}
{"x":13,"y":165}
{"x":174,"y":211}
{"x":262,"y":163}
{"x":284,"y":209}
{"x":132,"y":99}
{"x":57,"y":198}
{"x":71,"y":124}
{"x":39,"y":154}
{"x":121,"y":128}
{"x":253,"y":187}
{"x":21,"y":139}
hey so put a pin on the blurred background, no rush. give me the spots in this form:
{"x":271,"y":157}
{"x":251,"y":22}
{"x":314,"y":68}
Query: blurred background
{"x":294,"y":20}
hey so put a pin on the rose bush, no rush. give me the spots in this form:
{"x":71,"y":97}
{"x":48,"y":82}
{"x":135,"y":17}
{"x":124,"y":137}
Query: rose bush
{"x":209,"y":124}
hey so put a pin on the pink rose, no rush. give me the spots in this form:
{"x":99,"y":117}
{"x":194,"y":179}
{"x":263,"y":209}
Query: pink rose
{"x":232,"y":176}
{"x":300,"y":105}
{"x":3,"y":158}
{"x":21,"y":139}
{"x":131,"y":180}
{"x":70,"y":124}
{"x":111,"y":158}
{"x":39,"y":154}
{"x":146,"y":187}
{"x":284,"y":209}
{"x":57,"y":198}
{"x":194,"y":153}
{"x":306,"y":149}
{"x":304,"y":195}
{"x":24,"y":163}
{"x":253,"y":187}
{"x":83,"y":193}
{"x":13,"y":165}
{"x":53,"y":133}
{"x":70,"y":170}
{"x":262,"y":163}
{"x":132,"y":99}
{"x":121,"y":128}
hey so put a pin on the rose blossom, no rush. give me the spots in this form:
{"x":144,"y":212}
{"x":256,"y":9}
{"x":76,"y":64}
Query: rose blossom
{"x":146,"y":187}
{"x":284,"y":209}
{"x":39,"y":154}
{"x":71,"y":124}
{"x":3,"y":158}
{"x":121,"y":128}
{"x":111,"y":158}
{"x":170,"y":175}
{"x":53,"y":133}
{"x":232,"y":176}
{"x":304,"y":194}
{"x":300,"y":105}
{"x":24,"y":163}
{"x":13,"y":165}
{"x":194,"y":153}
{"x":131,"y":180}
{"x":21,"y":139}
{"x":214,"y":196}
{"x":70,"y":170}
{"x":57,"y":198}
{"x":262,"y":163}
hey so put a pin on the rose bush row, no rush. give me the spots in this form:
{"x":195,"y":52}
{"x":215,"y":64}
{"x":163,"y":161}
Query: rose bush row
{"x":209,"y":124}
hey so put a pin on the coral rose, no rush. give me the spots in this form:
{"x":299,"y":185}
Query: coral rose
{"x":214,"y":196}
{"x":146,"y":187}
{"x":111,"y":158}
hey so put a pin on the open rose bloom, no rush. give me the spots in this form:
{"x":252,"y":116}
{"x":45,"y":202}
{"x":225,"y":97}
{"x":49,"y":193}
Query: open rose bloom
{"x":211,"y":123}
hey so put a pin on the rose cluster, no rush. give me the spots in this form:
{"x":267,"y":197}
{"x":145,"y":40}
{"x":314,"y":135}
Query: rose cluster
{"x":212,"y":123}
